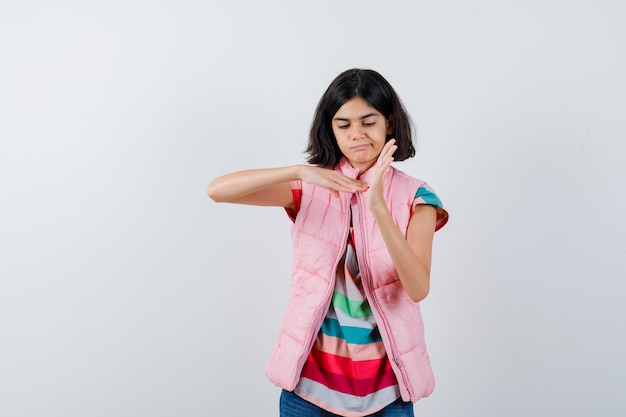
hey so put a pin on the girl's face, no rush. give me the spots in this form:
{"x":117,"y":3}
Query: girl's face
{"x":361,"y":132}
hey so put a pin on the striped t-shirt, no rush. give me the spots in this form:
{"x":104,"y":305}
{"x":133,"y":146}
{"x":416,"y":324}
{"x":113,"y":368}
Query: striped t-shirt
{"x":347,"y":371}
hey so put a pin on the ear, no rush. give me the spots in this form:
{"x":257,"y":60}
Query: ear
{"x":391,"y":124}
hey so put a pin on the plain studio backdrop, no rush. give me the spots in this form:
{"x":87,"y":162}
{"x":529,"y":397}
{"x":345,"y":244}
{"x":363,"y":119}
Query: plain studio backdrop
{"x":125,"y":291}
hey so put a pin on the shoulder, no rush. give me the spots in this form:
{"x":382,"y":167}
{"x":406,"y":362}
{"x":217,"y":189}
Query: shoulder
{"x":400,"y":181}
{"x":422,"y":194}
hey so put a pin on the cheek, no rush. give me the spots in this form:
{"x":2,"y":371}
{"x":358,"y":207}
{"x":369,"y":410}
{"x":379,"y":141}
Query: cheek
{"x":339,"y":136}
{"x":342,"y":147}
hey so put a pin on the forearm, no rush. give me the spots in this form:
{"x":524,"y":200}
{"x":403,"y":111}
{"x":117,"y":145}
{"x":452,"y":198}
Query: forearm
{"x":413,"y":266}
{"x":237,"y":185}
{"x":270,"y":186}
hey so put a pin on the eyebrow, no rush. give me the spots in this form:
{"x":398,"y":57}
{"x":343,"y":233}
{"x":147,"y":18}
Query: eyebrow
{"x":343,"y":119}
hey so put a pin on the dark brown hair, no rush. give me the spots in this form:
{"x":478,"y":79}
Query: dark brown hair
{"x":378,"y":93}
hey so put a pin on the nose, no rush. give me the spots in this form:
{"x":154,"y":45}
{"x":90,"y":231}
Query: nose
{"x":356,"y":131}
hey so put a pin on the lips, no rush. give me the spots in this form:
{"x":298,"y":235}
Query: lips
{"x":360,"y":147}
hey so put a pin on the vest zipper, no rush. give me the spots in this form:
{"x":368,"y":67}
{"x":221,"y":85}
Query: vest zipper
{"x":367,"y":284}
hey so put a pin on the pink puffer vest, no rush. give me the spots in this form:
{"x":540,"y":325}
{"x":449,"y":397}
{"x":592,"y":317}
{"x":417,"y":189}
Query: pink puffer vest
{"x":319,"y":238}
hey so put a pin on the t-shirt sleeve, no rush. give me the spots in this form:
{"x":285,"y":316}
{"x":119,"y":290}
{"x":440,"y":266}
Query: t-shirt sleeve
{"x":426,"y":195}
{"x":296,"y":191}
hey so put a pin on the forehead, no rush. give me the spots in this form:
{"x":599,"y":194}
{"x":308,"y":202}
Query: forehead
{"x":356,"y":108}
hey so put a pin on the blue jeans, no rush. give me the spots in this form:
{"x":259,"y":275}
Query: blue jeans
{"x":293,"y":406}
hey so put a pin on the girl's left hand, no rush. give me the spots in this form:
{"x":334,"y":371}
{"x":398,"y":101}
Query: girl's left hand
{"x":375,"y":196}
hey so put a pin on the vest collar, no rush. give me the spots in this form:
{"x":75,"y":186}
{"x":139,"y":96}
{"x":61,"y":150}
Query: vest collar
{"x":349,"y":171}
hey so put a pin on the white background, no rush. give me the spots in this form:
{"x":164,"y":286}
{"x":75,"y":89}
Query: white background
{"x":125,"y":291}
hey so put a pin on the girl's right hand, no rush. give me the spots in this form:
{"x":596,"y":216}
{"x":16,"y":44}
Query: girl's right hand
{"x":331,"y":180}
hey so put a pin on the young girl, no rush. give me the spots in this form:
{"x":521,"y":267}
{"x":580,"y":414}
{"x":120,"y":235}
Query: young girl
{"x":352,"y":339}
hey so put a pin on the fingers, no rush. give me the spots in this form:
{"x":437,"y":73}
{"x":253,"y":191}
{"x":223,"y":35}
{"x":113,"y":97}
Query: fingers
{"x":389,"y":149}
{"x":340,"y":182}
{"x":386,"y":157}
{"x":333,"y":181}
{"x":346,"y":184}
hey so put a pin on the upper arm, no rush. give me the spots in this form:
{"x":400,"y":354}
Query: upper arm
{"x":421,"y":231}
